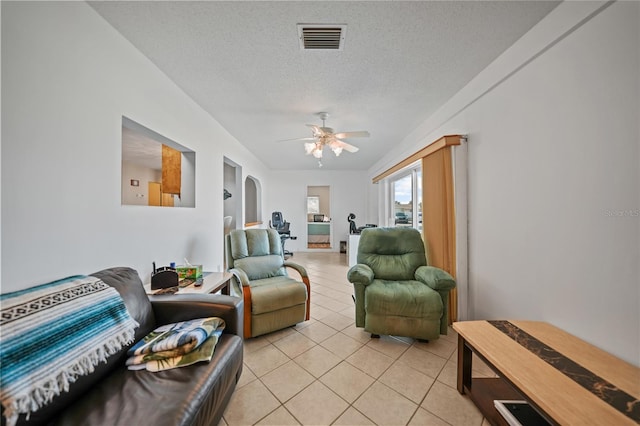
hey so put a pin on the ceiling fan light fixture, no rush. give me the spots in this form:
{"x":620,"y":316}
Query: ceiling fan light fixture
{"x":324,"y":135}
{"x":309,"y":147}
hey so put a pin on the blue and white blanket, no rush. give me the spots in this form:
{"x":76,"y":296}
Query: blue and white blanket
{"x":54,"y":333}
{"x":176,"y":345}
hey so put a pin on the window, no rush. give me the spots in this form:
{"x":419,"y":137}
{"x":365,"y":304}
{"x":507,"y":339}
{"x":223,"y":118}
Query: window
{"x":313,"y":205}
{"x":406,"y":198}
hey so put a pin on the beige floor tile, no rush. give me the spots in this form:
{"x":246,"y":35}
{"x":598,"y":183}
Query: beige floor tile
{"x":370,"y":361}
{"x":334,"y":305}
{"x":390,"y":346}
{"x":322,"y":300}
{"x":255,"y":343}
{"x":294,"y":344}
{"x":385,"y":406}
{"x":347,"y":381}
{"x":425,"y":418}
{"x":280,"y":334}
{"x":318,"y":312}
{"x":357,"y":333}
{"x":446,"y":403}
{"x":423,"y":361}
{"x":341,"y":345}
{"x":337,"y":321}
{"x":265,"y":359}
{"x":304,"y":324}
{"x":352,"y":417}
{"x":246,"y":377}
{"x":318,"y":331}
{"x":349,"y":312}
{"x":316,"y":405}
{"x":451,"y":335}
{"x":280,"y":417}
{"x":317,"y":361}
{"x":339,"y":295}
{"x":407,"y":381}
{"x":449,"y":375}
{"x":250,"y":404}
{"x":287,"y":380}
{"x":440,"y":347}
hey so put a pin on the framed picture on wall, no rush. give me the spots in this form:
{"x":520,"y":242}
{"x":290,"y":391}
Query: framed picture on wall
{"x":313,"y":205}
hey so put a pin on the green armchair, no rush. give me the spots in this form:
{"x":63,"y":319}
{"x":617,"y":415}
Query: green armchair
{"x":272,"y":300}
{"x":396,"y":292}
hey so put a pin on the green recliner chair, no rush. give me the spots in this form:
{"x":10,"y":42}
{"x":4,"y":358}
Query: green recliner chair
{"x":272,"y":299}
{"x":396,"y":293}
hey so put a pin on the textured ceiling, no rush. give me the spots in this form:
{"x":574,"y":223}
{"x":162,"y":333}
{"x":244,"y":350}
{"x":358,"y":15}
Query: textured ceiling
{"x":242,"y":62}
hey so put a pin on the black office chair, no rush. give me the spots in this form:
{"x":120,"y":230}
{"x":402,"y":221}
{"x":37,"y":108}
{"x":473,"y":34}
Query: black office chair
{"x":282,"y":226}
{"x":353,"y":229}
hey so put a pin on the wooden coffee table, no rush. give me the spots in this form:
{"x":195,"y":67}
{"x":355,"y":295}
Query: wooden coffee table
{"x":212,"y":283}
{"x":568,"y":381}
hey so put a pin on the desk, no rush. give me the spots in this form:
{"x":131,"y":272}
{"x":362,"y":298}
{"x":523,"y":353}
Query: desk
{"x":557,"y":373}
{"x":319,"y":232}
{"x":352,"y":249}
{"x":212,"y":283}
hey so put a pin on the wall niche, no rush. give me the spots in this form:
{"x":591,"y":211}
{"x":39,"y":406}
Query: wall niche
{"x":156,"y":171}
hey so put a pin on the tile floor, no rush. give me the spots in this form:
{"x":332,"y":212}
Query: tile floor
{"x":326,"y":371}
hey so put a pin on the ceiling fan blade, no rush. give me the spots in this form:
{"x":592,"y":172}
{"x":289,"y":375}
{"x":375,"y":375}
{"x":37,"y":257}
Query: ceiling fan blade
{"x":317,"y":130}
{"x":350,"y":148}
{"x":358,"y":134}
{"x":297,"y":139}
{"x":347,"y":147}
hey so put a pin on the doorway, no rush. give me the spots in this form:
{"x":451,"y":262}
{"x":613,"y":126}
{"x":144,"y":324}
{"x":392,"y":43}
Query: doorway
{"x":319,"y":229}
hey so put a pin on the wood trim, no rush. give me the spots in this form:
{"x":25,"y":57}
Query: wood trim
{"x":305,"y":280}
{"x":249,"y":224}
{"x":427,"y":150}
{"x":246,"y":294}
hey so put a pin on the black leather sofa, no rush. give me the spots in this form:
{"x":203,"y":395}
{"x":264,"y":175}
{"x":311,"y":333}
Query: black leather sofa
{"x":194,"y":395}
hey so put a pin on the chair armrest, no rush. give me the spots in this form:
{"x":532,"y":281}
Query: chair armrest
{"x":299,"y":268}
{"x":240,"y":276}
{"x":360,"y":274}
{"x":182,"y":307}
{"x":435,"y":278}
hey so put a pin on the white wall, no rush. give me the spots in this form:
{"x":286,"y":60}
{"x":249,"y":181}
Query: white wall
{"x":554,"y":197}
{"x":288,"y":194}
{"x":67,"y":79}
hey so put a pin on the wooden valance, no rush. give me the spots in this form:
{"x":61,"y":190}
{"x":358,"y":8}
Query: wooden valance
{"x":427,"y":150}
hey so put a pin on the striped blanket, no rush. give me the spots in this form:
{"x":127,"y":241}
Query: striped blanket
{"x":54,"y":333}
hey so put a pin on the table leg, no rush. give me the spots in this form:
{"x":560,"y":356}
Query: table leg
{"x":464,"y":365}
{"x":227,"y":288}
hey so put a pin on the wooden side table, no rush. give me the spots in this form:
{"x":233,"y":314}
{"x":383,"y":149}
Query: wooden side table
{"x":212,"y":283}
{"x":567,"y":380}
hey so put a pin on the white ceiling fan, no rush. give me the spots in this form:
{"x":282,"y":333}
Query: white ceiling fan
{"x":324,"y":136}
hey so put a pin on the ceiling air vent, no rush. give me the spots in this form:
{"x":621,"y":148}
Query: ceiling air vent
{"x":321,"y":36}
